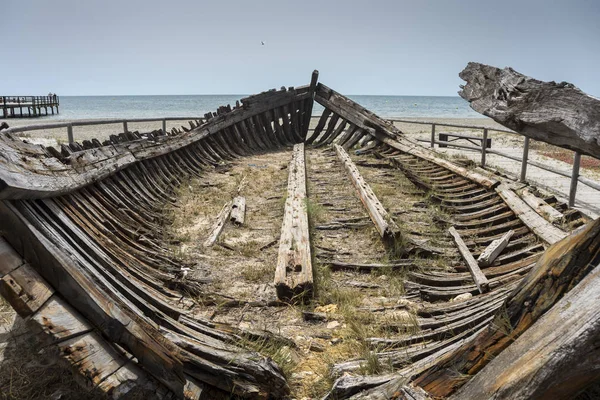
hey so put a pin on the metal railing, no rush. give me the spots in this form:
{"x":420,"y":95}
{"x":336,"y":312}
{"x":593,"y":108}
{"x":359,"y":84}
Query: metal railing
{"x":71,"y":124}
{"x":524,"y":160}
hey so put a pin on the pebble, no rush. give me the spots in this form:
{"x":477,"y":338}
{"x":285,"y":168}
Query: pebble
{"x":462,"y":297}
{"x":333,"y":325}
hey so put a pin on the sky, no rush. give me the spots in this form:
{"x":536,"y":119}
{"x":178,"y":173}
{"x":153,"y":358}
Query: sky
{"x":378,"y":47}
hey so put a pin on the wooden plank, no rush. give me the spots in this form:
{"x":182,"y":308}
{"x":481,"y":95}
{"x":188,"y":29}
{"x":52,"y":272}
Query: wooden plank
{"x":550,"y":213}
{"x":556,"y":357}
{"x":385,"y":225}
{"x":544,"y":229}
{"x":219,"y":224}
{"x":9,"y":259}
{"x":294,"y":275}
{"x":489,"y":255}
{"x":238,"y":210}
{"x":25,"y":290}
{"x":478,"y":277}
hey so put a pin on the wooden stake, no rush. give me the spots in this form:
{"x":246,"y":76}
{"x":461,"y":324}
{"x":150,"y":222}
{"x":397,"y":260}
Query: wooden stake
{"x":238,"y":210}
{"x":478,"y":276}
{"x":219,"y":224}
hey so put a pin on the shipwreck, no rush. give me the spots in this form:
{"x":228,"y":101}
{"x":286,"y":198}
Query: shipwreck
{"x":455,"y":286}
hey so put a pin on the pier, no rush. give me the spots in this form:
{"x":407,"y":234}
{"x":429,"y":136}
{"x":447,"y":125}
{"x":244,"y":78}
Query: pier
{"x":28,"y":106}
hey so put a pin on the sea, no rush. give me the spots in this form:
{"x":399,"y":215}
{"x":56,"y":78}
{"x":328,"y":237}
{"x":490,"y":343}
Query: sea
{"x":93,"y":107}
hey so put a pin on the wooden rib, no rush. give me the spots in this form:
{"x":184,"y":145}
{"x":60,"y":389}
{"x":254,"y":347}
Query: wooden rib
{"x":294,"y":275}
{"x":385,"y":225}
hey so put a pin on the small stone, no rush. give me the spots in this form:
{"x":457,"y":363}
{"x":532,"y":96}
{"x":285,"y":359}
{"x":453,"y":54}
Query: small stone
{"x":383,"y":278}
{"x":333,"y":325}
{"x":336,"y":340}
{"x":462,"y":297}
{"x":317,"y":347}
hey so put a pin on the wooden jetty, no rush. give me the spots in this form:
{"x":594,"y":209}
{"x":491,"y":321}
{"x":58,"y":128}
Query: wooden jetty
{"x":29,"y":106}
{"x":85,"y":258}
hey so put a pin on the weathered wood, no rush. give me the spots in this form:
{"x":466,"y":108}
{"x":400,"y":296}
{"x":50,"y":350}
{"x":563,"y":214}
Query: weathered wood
{"x":478,"y":277}
{"x":219,"y":224}
{"x":238,"y":210}
{"x":9,"y":259}
{"x":489,"y":255}
{"x":545,"y":230}
{"x":25,"y":290}
{"x":559,"y":269}
{"x":385,"y":225}
{"x":555,"y":113}
{"x":24,"y":167}
{"x":555,"y":358}
{"x":550,"y":213}
{"x":294,"y":275}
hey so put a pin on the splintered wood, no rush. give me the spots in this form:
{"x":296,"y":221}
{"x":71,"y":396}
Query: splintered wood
{"x":219,"y":224}
{"x":478,"y":277}
{"x":489,"y":255}
{"x":387,"y":228}
{"x":238,"y":210}
{"x":294,"y":276}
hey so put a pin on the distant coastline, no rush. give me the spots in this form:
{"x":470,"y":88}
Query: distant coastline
{"x":148,"y":106}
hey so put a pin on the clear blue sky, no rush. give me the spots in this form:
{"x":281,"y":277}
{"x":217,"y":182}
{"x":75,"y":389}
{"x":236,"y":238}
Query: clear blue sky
{"x":397,"y":47}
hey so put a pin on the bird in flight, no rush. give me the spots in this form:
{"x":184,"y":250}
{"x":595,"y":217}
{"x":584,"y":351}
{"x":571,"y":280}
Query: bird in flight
{"x":261,"y":42}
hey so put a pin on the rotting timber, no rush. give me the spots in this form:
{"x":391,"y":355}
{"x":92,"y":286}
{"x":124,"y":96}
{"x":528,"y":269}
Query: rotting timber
{"x":86,"y":259}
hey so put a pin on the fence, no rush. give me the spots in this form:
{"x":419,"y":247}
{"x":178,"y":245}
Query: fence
{"x":573,"y":174}
{"x":70,"y":125}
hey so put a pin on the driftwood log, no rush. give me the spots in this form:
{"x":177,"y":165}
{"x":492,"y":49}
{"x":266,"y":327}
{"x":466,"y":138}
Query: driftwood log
{"x":555,"y":113}
{"x":561,"y":267}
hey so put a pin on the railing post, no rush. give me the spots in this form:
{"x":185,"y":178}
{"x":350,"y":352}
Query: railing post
{"x":524,"y":161}
{"x":164,"y":126}
{"x":484,"y":147}
{"x":124,"y":126}
{"x":574,"y":178}
{"x":432,"y":135}
{"x":70,"y":133}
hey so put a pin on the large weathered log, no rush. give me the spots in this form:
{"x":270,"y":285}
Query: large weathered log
{"x":556,"y":113}
{"x":294,"y":275}
{"x":387,"y":228}
{"x":560,"y":268}
{"x":555,"y":358}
